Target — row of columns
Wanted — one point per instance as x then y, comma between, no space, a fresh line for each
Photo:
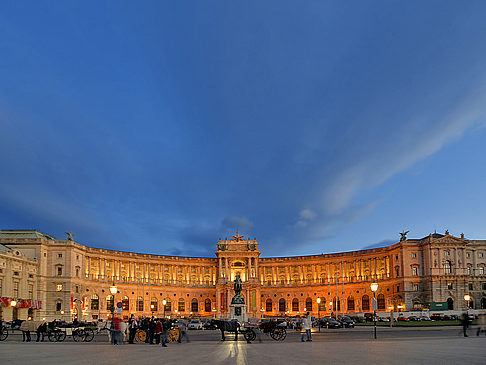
359,267
144,270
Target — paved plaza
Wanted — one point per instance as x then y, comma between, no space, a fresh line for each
353,346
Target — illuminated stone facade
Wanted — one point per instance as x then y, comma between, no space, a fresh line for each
73,279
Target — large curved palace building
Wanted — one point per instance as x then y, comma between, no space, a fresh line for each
43,277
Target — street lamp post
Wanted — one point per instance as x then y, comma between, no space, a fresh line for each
374,288
164,302
13,304
330,309
467,298
113,291
319,313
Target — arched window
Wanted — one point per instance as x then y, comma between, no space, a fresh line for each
450,304
336,304
125,303
281,305
268,305
351,303
381,301
308,305
153,304
207,305
110,302
181,306
365,303
95,302
447,267
194,305
295,305
168,305
322,305
397,271
140,304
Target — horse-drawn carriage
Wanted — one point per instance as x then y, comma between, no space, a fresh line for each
271,329
250,329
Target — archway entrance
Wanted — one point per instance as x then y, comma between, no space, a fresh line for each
450,304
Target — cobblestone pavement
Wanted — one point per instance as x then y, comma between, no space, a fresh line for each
431,347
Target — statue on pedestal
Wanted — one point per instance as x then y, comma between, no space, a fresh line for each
238,299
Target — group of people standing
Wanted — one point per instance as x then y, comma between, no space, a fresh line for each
156,329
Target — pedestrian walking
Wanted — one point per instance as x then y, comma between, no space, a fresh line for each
115,331
151,330
159,329
306,326
482,324
182,324
165,328
465,323
132,329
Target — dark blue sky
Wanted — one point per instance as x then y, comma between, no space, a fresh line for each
316,126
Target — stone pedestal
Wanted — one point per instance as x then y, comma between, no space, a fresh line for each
238,312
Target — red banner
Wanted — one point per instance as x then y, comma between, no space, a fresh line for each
21,303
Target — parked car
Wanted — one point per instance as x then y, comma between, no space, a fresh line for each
357,319
281,322
383,319
209,326
436,317
425,318
414,318
402,319
347,322
330,323
195,324
368,317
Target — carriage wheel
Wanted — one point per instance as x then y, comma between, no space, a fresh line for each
78,335
173,335
52,336
140,336
3,334
249,335
278,334
88,335
60,336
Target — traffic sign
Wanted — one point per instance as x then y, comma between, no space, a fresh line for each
119,305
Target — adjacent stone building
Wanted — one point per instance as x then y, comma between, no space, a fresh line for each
63,279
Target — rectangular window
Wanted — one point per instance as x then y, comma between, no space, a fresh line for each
471,287
269,283
446,253
480,254
450,286
16,289
398,288
58,307
484,286
77,289
59,255
414,271
31,291
59,271
414,255
282,282
468,255
415,287
59,287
